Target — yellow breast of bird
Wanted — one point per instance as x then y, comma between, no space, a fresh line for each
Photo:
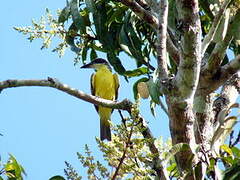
105,84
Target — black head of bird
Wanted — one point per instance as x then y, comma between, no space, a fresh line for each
97,63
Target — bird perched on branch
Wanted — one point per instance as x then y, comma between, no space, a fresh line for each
104,84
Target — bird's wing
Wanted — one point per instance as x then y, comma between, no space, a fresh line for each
115,76
92,81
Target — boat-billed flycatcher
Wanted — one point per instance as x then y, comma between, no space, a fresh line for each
104,84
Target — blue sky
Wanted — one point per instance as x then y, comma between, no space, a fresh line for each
43,127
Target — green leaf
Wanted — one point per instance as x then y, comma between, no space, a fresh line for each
212,164
154,91
13,168
85,15
70,38
236,152
77,18
152,108
136,72
100,19
84,54
130,42
57,178
93,54
228,160
135,92
175,149
226,149
64,15
124,41
232,173
116,15
116,63
90,5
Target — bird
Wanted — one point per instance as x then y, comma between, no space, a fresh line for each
104,84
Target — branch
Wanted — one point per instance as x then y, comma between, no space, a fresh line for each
172,49
230,68
222,105
145,13
220,77
219,51
123,105
147,16
162,40
147,134
209,37
190,58
54,83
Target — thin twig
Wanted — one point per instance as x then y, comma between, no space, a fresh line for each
123,119
124,154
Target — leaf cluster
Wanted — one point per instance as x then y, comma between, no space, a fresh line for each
12,170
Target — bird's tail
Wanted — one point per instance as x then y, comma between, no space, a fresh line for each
105,132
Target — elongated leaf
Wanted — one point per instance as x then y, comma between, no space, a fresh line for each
154,91
90,5
124,41
93,54
152,108
77,18
70,38
13,168
136,72
100,19
116,63
116,15
130,42
84,54
236,152
65,13
175,149
232,173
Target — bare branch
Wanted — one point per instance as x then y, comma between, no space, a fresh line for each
209,37
162,40
54,83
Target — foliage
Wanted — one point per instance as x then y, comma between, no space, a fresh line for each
132,148
90,27
12,170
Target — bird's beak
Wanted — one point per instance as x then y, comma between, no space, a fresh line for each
89,65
